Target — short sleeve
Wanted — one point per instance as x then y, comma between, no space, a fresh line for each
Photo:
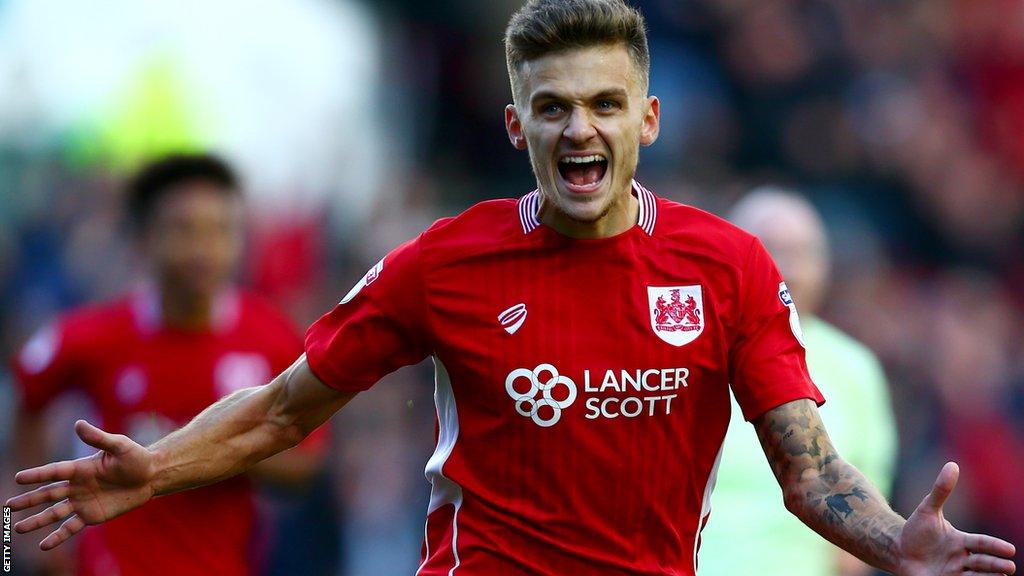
378,327
44,366
767,364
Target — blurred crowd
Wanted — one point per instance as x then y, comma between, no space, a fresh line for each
902,120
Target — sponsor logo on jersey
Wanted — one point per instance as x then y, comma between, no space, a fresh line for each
794,317
372,274
543,380
542,394
512,318
676,313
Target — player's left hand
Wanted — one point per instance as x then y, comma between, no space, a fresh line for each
930,546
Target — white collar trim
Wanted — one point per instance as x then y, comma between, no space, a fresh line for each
529,204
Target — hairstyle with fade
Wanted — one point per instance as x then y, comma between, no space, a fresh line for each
165,175
545,26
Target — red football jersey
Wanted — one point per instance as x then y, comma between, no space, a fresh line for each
147,379
582,386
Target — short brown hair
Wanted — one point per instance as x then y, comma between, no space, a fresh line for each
545,26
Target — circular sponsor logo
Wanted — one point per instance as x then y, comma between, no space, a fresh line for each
542,380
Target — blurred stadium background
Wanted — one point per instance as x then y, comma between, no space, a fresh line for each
356,124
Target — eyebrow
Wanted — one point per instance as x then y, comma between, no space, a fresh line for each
607,93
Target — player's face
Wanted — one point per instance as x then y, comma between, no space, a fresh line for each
194,240
583,114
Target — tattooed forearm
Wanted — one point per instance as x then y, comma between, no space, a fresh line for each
823,490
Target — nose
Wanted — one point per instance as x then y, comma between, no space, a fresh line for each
580,129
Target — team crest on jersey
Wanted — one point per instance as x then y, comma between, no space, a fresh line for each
676,313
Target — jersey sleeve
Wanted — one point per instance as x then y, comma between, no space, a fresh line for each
768,367
45,366
378,327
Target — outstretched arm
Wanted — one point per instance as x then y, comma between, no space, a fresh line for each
225,439
242,429
838,502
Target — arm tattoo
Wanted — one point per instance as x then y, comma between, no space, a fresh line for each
823,490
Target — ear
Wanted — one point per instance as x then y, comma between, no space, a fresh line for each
652,122
514,127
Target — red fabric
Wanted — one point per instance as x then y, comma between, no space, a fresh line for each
991,451
991,54
592,492
145,380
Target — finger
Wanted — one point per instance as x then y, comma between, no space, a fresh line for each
986,563
985,544
69,528
97,438
52,472
54,513
973,573
49,493
943,487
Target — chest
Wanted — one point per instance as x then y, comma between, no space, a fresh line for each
151,385
626,333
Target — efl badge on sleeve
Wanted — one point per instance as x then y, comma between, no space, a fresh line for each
794,317
676,313
365,281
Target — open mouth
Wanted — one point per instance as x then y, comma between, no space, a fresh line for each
582,173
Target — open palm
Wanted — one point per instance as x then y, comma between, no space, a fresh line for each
930,546
88,490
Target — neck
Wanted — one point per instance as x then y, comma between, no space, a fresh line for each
621,215
186,312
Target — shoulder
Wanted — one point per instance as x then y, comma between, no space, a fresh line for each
98,320
484,220
256,306
77,333
703,232
259,313
481,226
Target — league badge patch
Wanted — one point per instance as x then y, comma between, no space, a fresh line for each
676,313
365,281
794,317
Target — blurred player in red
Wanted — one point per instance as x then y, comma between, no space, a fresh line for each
153,359
585,337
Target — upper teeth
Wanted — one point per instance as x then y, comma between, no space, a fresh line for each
582,159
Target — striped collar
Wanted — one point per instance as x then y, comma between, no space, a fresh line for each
648,209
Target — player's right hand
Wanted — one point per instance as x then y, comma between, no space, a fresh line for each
88,490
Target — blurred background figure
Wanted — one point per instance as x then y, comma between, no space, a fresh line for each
151,360
358,123
749,533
